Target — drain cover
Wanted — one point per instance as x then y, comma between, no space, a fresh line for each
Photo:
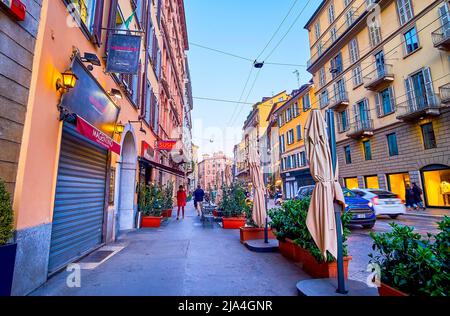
97,256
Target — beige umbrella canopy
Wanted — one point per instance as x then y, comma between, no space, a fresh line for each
321,221
259,200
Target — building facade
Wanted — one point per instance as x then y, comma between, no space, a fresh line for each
383,67
212,169
88,143
291,117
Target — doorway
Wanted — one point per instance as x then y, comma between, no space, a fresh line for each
127,184
436,181
397,183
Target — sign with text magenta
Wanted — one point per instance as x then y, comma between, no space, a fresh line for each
123,54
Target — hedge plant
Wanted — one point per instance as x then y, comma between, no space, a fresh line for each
151,200
6,215
233,202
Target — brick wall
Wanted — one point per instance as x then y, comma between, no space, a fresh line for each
17,42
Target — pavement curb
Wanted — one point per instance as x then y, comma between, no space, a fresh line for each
425,215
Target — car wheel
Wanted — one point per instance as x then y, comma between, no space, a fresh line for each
368,226
394,216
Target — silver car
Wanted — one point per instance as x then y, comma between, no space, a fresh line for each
384,202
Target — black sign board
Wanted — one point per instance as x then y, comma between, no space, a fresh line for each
123,53
90,101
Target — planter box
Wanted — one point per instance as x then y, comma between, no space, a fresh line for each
151,221
7,261
166,213
316,269
252,233
386,290
233,222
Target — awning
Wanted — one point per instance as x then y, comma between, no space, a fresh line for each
176,172
92,133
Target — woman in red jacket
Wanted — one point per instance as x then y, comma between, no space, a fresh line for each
181,200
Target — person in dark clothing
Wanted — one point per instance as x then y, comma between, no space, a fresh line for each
418,196
409,198
199,196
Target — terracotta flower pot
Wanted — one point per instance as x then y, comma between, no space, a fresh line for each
151,221
386,290
252,233
322,269
286,248
233,222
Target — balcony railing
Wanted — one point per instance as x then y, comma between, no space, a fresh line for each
420,107
361,128
379,78
340,101
444,93
343,127
441,37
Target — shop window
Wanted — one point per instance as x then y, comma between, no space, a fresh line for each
397,183
351,183
372,182
429,138
437,187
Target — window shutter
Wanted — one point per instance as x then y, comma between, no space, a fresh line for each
378,101
409,93
98,23
392,98
428,86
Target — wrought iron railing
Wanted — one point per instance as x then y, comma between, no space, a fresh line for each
441,35
361,126
444,93
418,104
378,73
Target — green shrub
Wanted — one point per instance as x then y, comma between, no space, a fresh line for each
233,202
6,215
289,221
167,196
151,200
411,263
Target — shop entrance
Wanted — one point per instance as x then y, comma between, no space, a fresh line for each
436,181
351,183
127,183
397,183
372,182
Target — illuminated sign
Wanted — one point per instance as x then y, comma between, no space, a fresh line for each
168,145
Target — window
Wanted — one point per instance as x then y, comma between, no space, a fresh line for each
306,102
343,121
303,161
324,101
385,102
290,137
333,34
289,114
411,41
86,11
357,76
351,183
354,51
374,34
367,150
347,2
317,30
331,13
112,184
295,109
350,17
299,132
392,144
322,77
336,65
319,48
405,11
419,90
348,155
429,138
282,144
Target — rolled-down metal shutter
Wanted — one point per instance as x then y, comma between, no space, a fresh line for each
79,201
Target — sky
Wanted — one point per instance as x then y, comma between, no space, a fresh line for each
243,28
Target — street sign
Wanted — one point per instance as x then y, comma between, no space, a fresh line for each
123,53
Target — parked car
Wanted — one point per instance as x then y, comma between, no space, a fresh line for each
361,209
384,202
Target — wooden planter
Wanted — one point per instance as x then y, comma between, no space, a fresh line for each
252,233
166,213
7,262
151,221
386,290
233,222
316,269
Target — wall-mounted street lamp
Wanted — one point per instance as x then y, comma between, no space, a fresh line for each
115,93
119,128
142,130
67,82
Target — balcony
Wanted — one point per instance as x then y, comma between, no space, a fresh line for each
361,129
380,78
444,94
441,37
339,102
420,108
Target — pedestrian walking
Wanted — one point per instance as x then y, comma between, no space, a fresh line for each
199,196
409,198
181,200
418,197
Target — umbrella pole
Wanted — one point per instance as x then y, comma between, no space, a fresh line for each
266,228
342,289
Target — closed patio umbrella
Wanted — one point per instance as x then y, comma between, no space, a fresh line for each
321,220
259,200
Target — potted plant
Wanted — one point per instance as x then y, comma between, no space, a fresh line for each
233,206
7,249
250,231
167,200
410,264
297,244
150,204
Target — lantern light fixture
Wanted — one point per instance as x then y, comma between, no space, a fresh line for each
67,82
119,129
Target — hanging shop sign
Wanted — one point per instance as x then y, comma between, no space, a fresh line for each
90,101
92,133
14,8
123,53
168,145
147,151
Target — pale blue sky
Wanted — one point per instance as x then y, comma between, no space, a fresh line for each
241,27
